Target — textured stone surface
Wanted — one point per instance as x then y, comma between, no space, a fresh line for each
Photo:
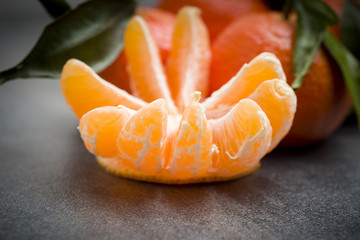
52,188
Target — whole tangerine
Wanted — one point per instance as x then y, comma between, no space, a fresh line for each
217,14
323,101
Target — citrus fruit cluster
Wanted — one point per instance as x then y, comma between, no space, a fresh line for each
163,132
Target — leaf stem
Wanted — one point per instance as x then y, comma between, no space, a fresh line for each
15,72
288,6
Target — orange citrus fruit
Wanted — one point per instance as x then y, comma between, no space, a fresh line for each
166,134
217,14
161,24
323,102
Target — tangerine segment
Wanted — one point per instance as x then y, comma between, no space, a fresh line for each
161,24
84,90
100,128
192,151
189,60
148,80
141,141
264,67
242,138
278,100
116,167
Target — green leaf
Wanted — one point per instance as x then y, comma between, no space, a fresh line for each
312,18
92,33
350,68
56,8
320,11
350,27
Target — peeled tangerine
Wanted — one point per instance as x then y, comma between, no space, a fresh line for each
163,132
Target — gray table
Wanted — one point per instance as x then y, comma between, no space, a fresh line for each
52,188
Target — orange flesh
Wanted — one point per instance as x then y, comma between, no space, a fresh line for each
145,66
263,67
276,99
101,127
242,137
189,59
141,139
154,142
160,24
79,84
191,149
